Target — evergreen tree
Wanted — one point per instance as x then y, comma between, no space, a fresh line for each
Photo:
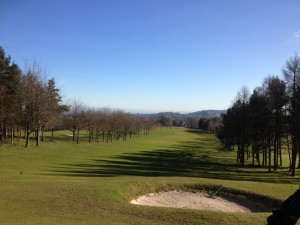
291,74
10,75
258,125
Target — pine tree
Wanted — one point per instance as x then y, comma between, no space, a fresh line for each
10,75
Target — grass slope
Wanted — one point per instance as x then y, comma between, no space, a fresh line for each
62,182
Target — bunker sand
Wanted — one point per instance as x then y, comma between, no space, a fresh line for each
198,200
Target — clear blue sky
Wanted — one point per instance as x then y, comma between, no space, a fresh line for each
152,55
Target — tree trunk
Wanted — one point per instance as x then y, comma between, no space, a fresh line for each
280,153
27,133
52,134
263,155
294,157
42,133
11,134
270,155
73,132
275,153
90,135
19,134
242,154
266,154
289,152
37,136
4,130
253,155
248,151
258,158
238,153
77,137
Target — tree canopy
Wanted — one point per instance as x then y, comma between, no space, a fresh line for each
266,122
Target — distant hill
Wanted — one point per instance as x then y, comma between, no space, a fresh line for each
207,113
183,116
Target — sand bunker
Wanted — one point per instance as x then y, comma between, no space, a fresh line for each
198,200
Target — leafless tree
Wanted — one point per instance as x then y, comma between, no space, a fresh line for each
34,104
75,118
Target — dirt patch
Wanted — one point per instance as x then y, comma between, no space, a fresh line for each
198,200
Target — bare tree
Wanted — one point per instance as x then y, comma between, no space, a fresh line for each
34,105
75,118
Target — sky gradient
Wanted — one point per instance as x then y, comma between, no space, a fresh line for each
152,55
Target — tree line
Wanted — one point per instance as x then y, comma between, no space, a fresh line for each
30,104
104,124
264,124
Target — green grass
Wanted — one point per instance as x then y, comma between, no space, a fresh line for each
61,182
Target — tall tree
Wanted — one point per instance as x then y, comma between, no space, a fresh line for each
40,102
291,73
10,75
234,129
243,99
275,91
258,124
35,105
54,107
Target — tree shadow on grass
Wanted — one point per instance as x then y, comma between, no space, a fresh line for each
145,163
186,160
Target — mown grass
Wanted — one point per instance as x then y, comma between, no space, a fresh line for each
61,182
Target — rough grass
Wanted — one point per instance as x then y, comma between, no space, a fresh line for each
61,182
